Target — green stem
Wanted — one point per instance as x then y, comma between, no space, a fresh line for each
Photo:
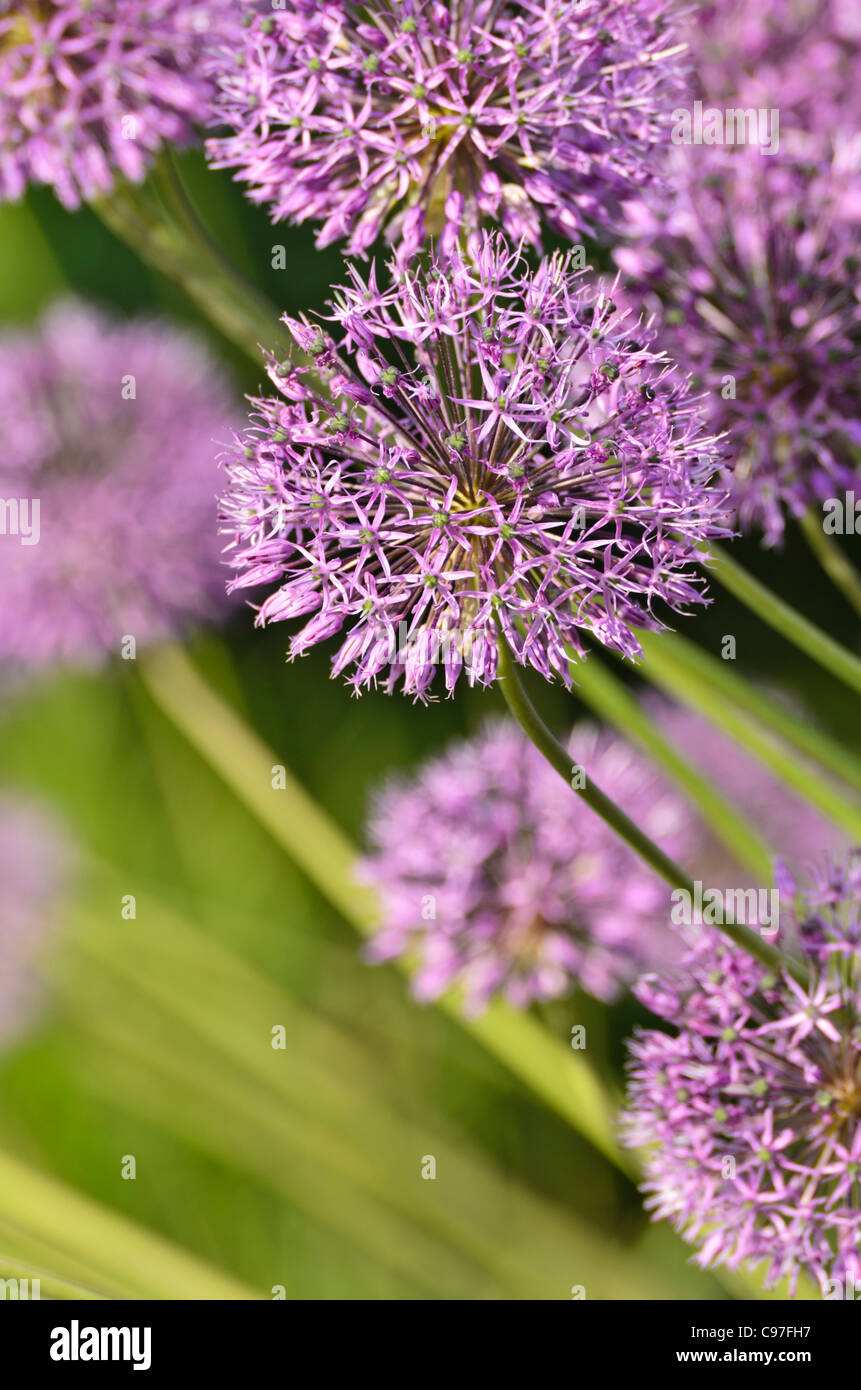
792,728
536,730
607,696
174,194
684,682
831,558
169,236
791,625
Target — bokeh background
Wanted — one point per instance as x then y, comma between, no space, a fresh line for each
295,1169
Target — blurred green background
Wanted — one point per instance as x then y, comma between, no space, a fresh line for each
297,1169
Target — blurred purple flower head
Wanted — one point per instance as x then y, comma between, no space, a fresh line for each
755,254
107,486
752,1110
502,451
756,263
500,878
791,827
34,864
93,88
802,57
503,880
420,118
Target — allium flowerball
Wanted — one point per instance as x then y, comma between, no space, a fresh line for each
751,1107
419,118
108,482
93,88
756,263
500,878
501,451
34,864
495,875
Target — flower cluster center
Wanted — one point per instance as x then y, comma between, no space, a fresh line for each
846,1107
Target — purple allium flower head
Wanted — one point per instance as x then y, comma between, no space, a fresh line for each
502,879
503,450
755,253
497,876
92,88
108,482
756,262
751,1111
34,864
420,117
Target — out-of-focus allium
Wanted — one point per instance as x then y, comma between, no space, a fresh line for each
499,877
494,874
802,57
108,480
791,827
34,863
92,88
422,118
756,261
504,449
752,1110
